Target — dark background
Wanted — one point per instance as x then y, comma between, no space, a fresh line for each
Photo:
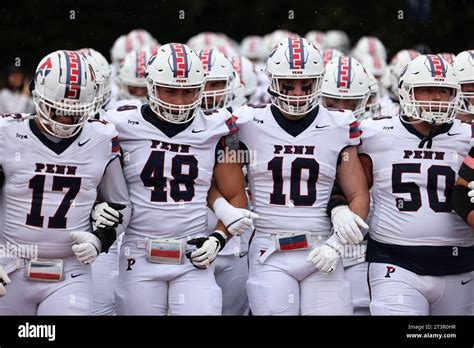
30,30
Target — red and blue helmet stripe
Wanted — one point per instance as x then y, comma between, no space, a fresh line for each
180,60
73,74
344,70
206,58
437,67
296,52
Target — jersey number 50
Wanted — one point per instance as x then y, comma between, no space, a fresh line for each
434,172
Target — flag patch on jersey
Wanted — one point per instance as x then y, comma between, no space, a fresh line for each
354,131
45,270
293,242
115,145
165,251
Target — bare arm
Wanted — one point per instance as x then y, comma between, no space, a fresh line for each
353,183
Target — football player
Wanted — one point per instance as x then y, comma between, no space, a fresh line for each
53,165
464,68
301,149
341,90
169,149
463,192
419,251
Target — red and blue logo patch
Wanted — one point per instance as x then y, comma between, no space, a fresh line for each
354,131
45,68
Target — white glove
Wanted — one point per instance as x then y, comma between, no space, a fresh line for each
4,280
471,193
347,225
107,214
208,248
236,220
326,257
86,246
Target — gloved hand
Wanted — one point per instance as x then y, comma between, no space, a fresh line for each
107,214
86,246
326,256
236,220
471,192
347,225
4,280
207,251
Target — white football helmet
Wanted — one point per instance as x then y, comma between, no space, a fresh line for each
175,66
374,64
64,85
329,54
429,71
271,40
295,58
246,83
336,39
346,78
132,74
103,75
398,62
373,106
369,45
449,57
217,68
316,38
252,48
141,37
464,68
122,46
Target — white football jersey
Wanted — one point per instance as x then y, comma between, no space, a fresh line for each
168,176
291,176
50,188
412,186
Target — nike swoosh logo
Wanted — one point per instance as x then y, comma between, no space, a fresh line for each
84,143
449,134
243,254
319,127
76,275
464,283
198,131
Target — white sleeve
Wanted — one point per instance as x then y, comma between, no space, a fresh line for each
113,189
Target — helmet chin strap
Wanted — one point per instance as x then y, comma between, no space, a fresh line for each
429,138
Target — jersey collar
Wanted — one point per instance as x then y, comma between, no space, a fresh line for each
426,139
294,127
58,147
168,128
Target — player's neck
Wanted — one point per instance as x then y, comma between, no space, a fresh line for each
424,127
292,117
42,129
465,117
